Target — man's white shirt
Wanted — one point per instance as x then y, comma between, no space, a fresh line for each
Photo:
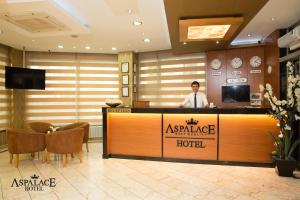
189,100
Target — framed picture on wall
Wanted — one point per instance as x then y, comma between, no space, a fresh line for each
125,67
125,92
125,79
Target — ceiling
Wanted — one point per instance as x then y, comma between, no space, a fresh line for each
103,24
99,24
276,14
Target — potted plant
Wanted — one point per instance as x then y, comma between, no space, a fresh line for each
287,112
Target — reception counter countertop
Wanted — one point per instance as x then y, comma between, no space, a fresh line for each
242,110
222,135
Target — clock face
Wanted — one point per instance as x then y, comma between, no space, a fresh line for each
255,61
215,64
236,62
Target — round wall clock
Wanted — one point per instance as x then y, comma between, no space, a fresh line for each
255,61
215,64
236,62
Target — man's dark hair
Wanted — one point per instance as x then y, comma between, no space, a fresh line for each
195,83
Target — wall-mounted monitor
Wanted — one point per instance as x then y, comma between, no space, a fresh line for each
23,78
236,93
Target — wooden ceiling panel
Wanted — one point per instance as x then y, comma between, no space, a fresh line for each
194,9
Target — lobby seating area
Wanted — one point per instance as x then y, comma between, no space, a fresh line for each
44,137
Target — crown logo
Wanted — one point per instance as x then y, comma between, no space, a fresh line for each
34,177
191,122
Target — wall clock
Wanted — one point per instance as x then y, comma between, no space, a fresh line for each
255,61
236,62
215,64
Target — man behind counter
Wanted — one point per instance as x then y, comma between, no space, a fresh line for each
195,99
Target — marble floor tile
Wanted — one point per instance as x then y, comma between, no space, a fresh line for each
122,179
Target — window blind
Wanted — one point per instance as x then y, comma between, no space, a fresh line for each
4,94
76,86
165,79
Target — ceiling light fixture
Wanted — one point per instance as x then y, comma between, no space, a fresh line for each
129,11
249,35
207,29
273,18
137,22
74,47
184,43
60,46
32,40
87,47
146,40
207,32
114,48
217,42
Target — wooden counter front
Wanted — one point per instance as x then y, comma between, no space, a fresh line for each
194,140
134,134
230,135
246,138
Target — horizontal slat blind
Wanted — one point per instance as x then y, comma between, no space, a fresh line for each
56,104
164,78
97,80
76,87
4,94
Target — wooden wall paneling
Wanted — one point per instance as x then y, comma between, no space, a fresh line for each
232,73
255,79
134,134
214,80
272,59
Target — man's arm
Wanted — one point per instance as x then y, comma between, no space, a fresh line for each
205,102
186,100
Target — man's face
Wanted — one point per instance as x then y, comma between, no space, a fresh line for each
195,88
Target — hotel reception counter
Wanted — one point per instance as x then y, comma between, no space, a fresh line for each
189,135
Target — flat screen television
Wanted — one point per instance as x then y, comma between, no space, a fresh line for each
22,78
236,93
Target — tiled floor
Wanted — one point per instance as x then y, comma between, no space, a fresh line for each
119,179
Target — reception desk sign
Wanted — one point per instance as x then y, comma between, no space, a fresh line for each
193,136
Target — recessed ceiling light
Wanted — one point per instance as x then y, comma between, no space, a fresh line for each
217,42
137,22
146,40
249,35
129,11
60,46
32,40
184,43
74,47
113,48
87,47
273,18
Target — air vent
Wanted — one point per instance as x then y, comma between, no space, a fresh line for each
35,22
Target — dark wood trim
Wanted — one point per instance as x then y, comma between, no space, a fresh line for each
198,111
211,162
104,118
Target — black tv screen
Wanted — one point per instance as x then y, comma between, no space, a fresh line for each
22,78
236,93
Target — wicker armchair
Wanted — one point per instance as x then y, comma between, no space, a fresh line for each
22,141
65,142
40,127
83,125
